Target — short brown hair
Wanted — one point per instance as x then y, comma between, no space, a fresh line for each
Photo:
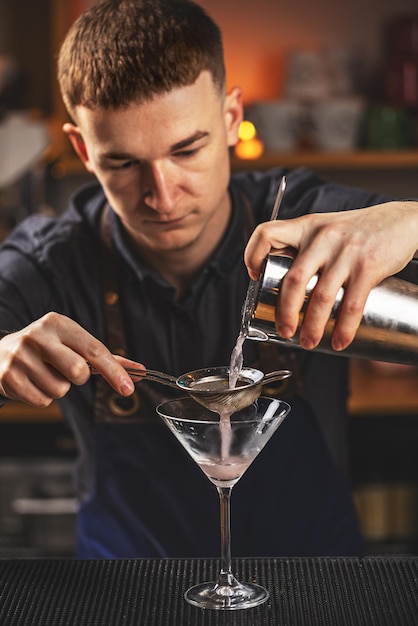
124,51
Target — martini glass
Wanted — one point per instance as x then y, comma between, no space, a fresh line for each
224,446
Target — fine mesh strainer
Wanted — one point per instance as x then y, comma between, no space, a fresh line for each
210,386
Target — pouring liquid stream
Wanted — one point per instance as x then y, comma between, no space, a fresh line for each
236,361
235,367
237,358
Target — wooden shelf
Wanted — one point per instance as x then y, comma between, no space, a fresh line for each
15,411
359,159
393,391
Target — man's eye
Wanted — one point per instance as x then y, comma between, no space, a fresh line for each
121,165
187,153
126,165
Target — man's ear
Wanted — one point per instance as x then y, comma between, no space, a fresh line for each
74,135
234,112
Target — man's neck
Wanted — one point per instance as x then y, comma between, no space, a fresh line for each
180,267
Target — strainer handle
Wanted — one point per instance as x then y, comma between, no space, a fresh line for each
274,376
138,374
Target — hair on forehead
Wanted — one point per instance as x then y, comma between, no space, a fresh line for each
124,51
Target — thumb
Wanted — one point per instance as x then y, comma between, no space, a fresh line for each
282,237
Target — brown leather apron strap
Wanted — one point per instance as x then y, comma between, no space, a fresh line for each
108,405
110,292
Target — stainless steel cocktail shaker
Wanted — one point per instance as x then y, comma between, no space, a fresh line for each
388,329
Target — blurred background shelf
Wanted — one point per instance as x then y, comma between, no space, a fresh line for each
383,435
353,160
64,162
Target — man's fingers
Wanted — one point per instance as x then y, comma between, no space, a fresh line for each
350,315
319,310
293,293
315,291
267,237
39,388
52,353
258,247
77,348
323,297
290,300
105,363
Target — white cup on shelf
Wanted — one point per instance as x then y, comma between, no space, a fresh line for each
277,123
335,124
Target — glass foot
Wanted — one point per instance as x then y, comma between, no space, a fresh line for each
226,597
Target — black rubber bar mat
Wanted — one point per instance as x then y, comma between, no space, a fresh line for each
335,592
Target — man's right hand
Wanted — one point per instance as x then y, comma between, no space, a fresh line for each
354,250
39,363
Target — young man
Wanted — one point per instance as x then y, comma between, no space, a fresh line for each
148,263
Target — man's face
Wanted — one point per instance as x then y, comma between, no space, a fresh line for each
164,164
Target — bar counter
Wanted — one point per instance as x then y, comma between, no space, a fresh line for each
380,591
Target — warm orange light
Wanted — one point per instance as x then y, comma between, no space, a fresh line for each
246,131
251,149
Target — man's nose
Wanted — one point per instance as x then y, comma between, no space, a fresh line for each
160,187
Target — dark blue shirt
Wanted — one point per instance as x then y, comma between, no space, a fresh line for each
52,264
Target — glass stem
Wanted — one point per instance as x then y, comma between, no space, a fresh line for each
225,575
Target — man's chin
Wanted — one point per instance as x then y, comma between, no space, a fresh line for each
169,244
